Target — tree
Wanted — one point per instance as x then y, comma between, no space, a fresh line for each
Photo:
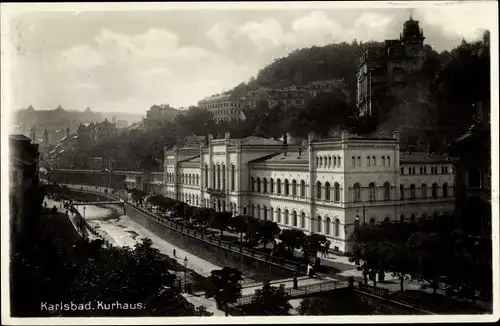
292,239
157,200
312,244
224,286
239,224
203,216
252,233
270,301
367,252
220,221
268,230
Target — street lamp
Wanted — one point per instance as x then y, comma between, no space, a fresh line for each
185,271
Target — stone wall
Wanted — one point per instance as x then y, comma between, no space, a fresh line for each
251,267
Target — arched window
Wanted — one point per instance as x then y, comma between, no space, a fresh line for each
353,161
258,184
383,160
271,186
223,176
303,220
278,215
320,162
318,190
327,225
388,161
319,224
356,192
265,213
233,177
329,161
368,161
294,187
218,176
278,186
327,190
206,175
371,191
445,190
264,183
372,221
337,227
271,212
287,187
412,191
434,190
317,161
287,222
258,212
423,193
412,218
336,195
302,188
387,191
335,161
294,218
359,160
402,192
374,161
339,161
252,184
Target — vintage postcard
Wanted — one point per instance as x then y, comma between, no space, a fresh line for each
249,162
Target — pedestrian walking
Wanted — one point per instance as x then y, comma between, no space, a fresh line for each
295,283
309,270
174,253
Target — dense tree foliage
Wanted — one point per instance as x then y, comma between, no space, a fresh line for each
270,301
431,251
56,266
224,286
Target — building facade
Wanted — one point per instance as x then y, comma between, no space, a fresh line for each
395,61
222,107
157,115
323,186
24,183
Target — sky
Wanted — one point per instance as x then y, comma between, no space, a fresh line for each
126,61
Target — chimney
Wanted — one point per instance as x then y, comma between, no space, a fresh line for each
227,135
310,137
285,145
300,151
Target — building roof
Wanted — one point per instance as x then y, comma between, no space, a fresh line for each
19,137
254,140
195,159
291,157
422,157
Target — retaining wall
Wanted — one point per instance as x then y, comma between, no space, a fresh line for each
211,251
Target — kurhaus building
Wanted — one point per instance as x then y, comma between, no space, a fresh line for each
324,186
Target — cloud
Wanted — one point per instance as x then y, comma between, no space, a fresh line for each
319,28
462,21
219,34
137,70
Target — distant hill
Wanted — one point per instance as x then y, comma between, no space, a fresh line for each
300,67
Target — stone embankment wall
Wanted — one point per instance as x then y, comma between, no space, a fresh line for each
210,251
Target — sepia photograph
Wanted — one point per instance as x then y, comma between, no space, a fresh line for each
279,161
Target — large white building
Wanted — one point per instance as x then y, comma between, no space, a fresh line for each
324,186
222,107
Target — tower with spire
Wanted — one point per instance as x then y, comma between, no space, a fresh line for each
397,61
